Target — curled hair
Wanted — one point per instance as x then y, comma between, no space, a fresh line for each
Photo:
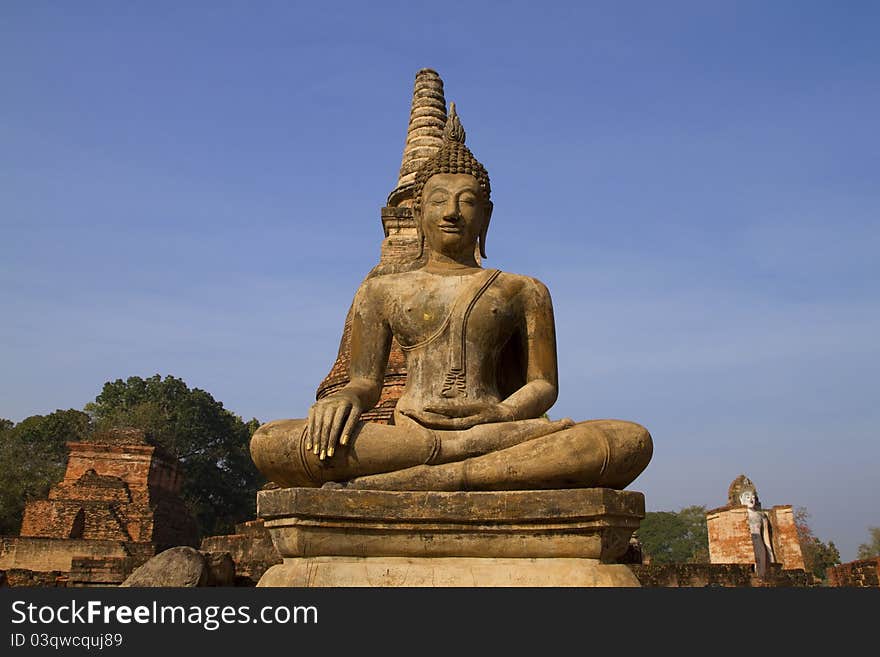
452,157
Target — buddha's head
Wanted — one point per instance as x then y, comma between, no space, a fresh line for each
749,499
451,196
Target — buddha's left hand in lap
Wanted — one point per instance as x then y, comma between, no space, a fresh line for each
460,416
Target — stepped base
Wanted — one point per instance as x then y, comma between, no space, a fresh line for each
402,538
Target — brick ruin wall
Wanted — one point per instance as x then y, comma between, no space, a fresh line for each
117,506
48,554
121,492
862,573
730,575
729,538
786,543
251,549
730,541
15,577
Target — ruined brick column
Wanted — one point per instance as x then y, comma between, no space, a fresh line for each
730,540
400,250
116,487
118,505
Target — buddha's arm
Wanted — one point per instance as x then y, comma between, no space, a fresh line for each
538,344
333,418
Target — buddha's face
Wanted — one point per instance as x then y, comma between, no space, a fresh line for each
748,498
454,214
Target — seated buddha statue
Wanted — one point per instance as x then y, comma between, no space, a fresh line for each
480,349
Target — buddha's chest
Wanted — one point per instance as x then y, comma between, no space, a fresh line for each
449,307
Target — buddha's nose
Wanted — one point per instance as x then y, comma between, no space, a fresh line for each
452,213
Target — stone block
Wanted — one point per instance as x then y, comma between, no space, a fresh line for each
177,567
446,572
403,538
594,523
250,548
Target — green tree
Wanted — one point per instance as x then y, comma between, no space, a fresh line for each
675,537
818,556
33,457
220,480
871,549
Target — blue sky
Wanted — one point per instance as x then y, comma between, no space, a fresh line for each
194,189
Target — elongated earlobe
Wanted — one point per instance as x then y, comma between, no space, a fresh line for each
421,236
485,230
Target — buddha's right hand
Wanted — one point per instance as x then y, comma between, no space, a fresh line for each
331,421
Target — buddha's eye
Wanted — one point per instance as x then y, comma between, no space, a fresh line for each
467,200
438,199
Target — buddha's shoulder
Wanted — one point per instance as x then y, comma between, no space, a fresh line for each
380,286
521,283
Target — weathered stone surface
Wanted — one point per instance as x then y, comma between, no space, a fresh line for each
221,569
446,572
116,506
53,554
425,134
722,575
506,492
401,249
786,543
99,571
116,487
581,523
862,573
730,539
176,567
499,538
481,366
21,577
250,548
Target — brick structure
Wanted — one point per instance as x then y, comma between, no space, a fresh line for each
731,575
99,571
251,549
117,487
15,577
863,573
786,543
117,506
401,248
730,541
729,538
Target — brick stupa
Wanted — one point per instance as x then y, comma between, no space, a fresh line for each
118,504
730,541
400,249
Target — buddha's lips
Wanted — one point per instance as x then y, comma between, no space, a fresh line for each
450,229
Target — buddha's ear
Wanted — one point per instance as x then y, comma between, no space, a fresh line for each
485,229
417,217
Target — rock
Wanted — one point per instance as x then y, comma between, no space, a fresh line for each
221,568
175,567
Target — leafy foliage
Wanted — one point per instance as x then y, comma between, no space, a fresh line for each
818,556
219,478
33,457
675,537
871,549
212,444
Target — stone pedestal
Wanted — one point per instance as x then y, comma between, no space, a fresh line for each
505,538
